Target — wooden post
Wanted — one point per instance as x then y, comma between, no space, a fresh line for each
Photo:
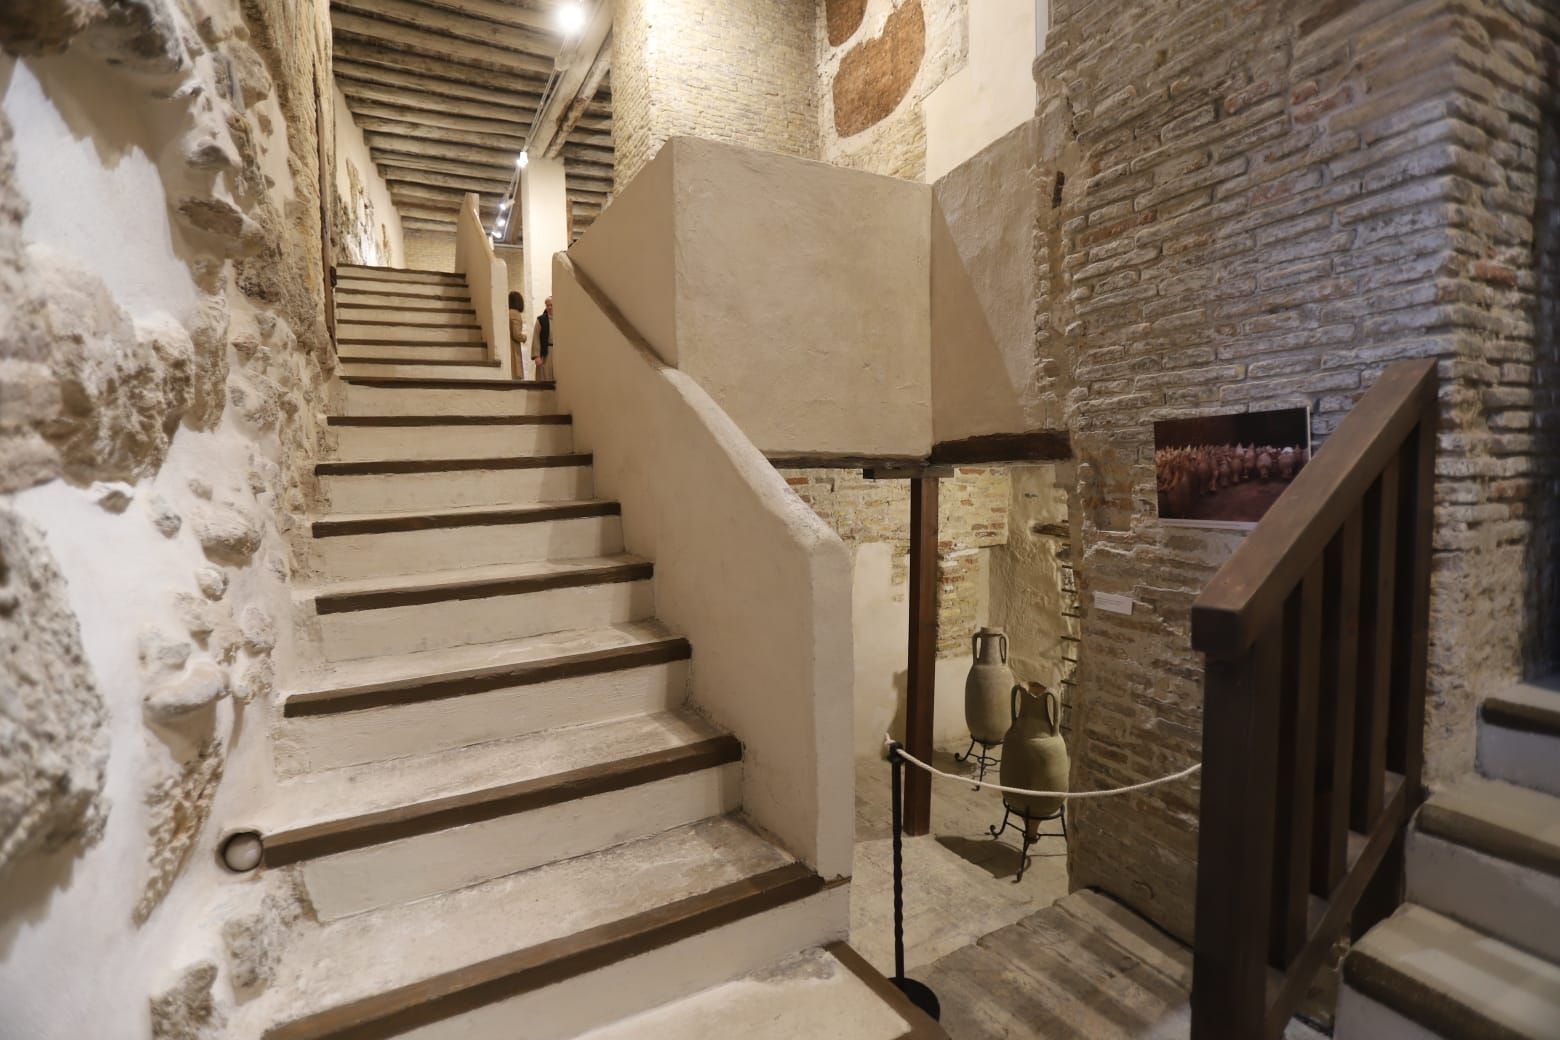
920,694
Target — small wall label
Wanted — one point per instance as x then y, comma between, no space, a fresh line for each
1113,603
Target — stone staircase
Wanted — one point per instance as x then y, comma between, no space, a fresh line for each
1475,950
501,814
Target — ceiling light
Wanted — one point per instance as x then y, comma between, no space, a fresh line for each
571,19
523,161
503,205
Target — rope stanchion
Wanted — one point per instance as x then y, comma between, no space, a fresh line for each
919,993
896,748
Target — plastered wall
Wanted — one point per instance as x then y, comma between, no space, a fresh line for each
161,285
365,226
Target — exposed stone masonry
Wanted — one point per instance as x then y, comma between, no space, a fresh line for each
739,71
1263,206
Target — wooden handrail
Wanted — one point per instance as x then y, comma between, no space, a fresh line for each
1249,589
1315,634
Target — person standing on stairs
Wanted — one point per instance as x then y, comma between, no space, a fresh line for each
517,332
541,342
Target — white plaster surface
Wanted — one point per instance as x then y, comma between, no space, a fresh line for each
1361,1018
1517,904
451,442
350,144
992,93
809,995
1527,759
745,570
345,557
411,492
544,227
394,400
488,279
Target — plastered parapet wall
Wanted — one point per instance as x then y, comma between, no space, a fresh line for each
738,71
162,380
1263,206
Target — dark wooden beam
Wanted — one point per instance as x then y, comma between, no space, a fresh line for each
494,171
405,98
436,45
1034,446
431,132
362,73
411,223
511,127
397,175
502,12
407,144
371,52
467,27
921,688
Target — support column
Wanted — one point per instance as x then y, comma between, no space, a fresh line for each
920,694
544,228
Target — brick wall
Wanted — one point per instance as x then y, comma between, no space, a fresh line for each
971,515
1264,204
894,144
739,71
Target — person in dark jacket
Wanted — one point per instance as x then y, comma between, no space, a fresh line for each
541,342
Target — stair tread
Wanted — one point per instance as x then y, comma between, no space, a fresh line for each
816,993
434,383
1532,706
475,659
312,802
503,572
1454,980
380,958
377,467
1501,819
457,516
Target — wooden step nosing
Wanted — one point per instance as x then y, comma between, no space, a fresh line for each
355,341
397,270
1521,717
1492,839
1421,1003
486,588
442,297
443,326
513,974
353,305
379,467
442,362
497,517
428,383
332,837
484,680
387,421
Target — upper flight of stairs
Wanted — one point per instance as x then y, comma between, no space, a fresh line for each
1474,953
408,323
504,817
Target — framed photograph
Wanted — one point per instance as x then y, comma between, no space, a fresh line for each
1226,470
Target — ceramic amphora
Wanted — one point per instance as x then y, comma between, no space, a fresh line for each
986,706
1034,755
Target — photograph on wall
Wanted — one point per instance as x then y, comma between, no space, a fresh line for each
1226,470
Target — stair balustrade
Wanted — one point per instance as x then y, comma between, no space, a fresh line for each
1315,636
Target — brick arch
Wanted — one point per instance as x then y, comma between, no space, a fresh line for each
875,75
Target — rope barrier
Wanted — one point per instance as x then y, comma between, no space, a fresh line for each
1183,774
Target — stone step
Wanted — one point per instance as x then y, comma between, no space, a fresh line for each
399,274
419,353
358,301
359,334
1519,735
826,993
378,365
352,286
425,485
345,547
1487,854
373,835
438,315
405,614
407,704
466,399
599,938
1418,974
440,437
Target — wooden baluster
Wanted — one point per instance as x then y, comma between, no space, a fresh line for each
1410,645
1339,655
1235,843
1378,559
1296,795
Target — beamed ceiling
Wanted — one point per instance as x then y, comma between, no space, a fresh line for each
446,92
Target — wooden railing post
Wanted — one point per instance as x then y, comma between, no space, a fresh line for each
1235,843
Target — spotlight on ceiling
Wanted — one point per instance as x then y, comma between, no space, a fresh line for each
503,205
523,161
571,19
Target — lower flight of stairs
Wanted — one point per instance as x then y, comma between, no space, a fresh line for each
493,798
1474,953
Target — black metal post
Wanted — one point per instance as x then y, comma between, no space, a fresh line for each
919,993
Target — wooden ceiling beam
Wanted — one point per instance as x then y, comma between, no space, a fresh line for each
581,68
591,139
348,70
400,175
516,15
406,144
376,52
455,166
500,127
586,153
422,224
454,138
436,45
401,97
469,27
